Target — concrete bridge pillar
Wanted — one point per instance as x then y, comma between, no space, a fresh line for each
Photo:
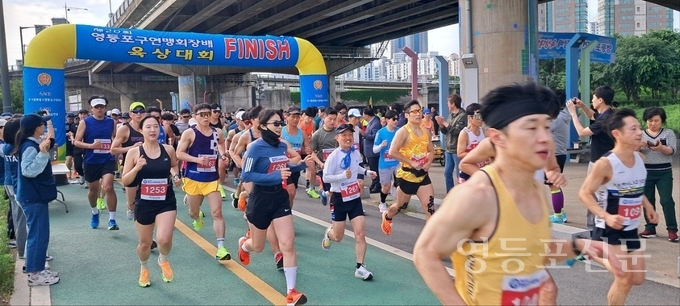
125,102
503,36
191,90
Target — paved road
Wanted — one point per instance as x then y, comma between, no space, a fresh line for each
100,267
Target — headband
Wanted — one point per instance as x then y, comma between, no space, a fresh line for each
506,113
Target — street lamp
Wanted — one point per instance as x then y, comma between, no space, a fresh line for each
37,28
69,8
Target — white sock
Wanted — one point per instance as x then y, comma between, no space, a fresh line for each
162,258
145,264
243,247
112,215
291,277
95,211
220,242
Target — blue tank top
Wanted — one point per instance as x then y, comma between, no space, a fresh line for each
295,141
102,130
161,135
203,146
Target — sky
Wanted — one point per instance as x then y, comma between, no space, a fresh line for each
25,13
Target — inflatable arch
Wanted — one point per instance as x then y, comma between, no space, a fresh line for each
43,75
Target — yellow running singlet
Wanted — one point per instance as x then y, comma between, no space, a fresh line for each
416,150
508,268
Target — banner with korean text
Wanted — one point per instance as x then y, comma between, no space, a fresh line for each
553,45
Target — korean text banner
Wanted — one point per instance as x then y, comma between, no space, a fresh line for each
553,45
153,47
44,90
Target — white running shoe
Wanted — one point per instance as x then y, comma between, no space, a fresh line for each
363,273
42,278
326,242
382,207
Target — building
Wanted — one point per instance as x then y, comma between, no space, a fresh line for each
454,65
632,17
593,28
563,16
417,43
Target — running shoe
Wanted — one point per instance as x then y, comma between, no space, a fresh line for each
326,241
222,254
222,193
648,234
186,200
324,198
112,225
101,205
94,221
198,224
144,278
242,203
278,259
42,278
295,298
234,200
312,193
382,207
558,219
564,215
243,256
386,225
237,181
362,273
166,271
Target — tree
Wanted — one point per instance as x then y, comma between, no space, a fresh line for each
672,40
16,90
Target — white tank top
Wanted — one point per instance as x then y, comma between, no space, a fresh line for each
624,192
473,140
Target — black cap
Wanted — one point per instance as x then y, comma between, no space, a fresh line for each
344,127
32,121
70,115
126,115
293,110
83,111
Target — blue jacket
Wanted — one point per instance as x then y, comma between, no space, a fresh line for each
35,181
369,136
11,166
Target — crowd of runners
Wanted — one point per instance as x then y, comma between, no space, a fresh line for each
500,243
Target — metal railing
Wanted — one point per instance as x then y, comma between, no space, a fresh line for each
345,52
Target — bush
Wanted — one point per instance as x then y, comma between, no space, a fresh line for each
6,259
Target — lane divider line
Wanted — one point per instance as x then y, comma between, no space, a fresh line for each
267,291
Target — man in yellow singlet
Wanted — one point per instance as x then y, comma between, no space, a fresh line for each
412,147
500,243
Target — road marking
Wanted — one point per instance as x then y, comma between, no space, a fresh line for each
267,291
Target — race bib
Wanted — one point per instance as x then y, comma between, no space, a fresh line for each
326,152
105,148
630,209
153,189
387,157
210,167
297,147
421,159
356,146
277,163
522,290
350,191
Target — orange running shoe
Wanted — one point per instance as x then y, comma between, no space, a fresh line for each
243,256
144,278
386,225
242,203
295,298
166,270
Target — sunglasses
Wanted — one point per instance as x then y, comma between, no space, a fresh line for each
247,122
186,117
477,116
416,111
203,114
394,119
277,123
138,111
99,106
216,111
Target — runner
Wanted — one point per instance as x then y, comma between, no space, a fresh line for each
508,206
308,125
386,164
559,128
340,171
95,134
150,166
266,166
216,123
237,159
470,137
299,143
231,138
201,147
621,174
129,136
323,143
251,135
412,147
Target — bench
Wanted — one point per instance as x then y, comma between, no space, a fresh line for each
59,172
575,155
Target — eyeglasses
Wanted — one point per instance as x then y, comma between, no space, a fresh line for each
394,119
342,113
138,111
186,117
277,123
203,114
216,111
477,116
416,111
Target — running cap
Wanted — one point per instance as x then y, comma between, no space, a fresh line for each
98,101
136,105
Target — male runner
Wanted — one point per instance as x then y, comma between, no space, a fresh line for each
412,146
621,174
323,143
340,171
307,125
129,136
201,147
500,243
216,123
387,165
299,143
95,134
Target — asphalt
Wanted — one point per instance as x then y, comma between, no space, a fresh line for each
100,267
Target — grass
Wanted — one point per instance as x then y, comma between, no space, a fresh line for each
6,259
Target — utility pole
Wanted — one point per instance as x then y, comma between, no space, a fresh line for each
4,68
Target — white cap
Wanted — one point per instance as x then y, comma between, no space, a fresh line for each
354,113
108,113
239,115
192,122
97,101
115,111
